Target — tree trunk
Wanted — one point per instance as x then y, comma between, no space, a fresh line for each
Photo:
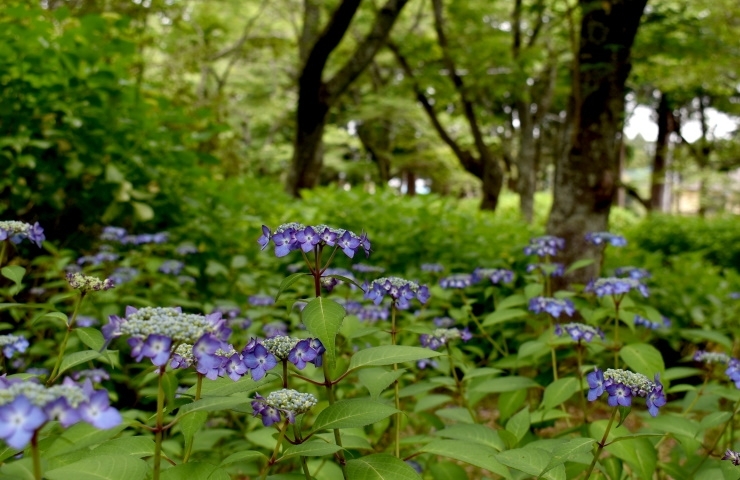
526,182
660,160
376,137
586,180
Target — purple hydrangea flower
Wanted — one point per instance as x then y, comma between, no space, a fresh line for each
732,456
443,322
290,403
365,268
258,360
432,267
442,336
16,232
276,328
171,267
603,238
295,236
457,280
260,300
615,286
545,246
426,362
373,313
399,290
632,272
579,331
595,381
302,353
18,420
113,234
619,394
329,280
554,306
644,322
97,411
157,348
12,344
553,269
622,386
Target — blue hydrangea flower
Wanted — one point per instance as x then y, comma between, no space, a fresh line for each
496,275
365,268
442,336
258,359
732,456
373,313
443,322
552,269
554,306
123,275
632,272
96,375
287,402
18,420
622,386
579,331
171,267
615,286
98,259
186,249
113,234
545,246
641,321
12,344
275,328
603,238
432,267
399,290
260,300
457,280
295,236
16,232
595,381
329,282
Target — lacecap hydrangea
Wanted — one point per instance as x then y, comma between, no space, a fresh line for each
622,386
400,291
296,236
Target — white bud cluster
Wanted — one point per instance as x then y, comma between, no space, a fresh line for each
446,334
85,283
171,322
39,395
185,350
639,384
712,357
395,282
14,227
280,346
289,400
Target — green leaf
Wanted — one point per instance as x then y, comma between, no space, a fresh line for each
501,316
18,470
472,453
91,337
211,404
191,424
101,467
511,301
57,318
714,419
133,446
570,449
643,358
380,466
378,379
288,281
347,280
511,402
578,264
14,273
223,387
388,355
695,334
559,391
194,470
639,454
530,460
248,456
448,471
518,425
675,373
76,358
142,211
623,414
316,448
356,412
667,422
505,384
81,435
479,434
323,318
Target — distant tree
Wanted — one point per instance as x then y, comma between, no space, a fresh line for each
316,96
586,180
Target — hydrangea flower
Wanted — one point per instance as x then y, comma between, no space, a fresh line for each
553,269
96,375
276,328
644,322
26,405
579,331
365,268
352,307
86,321
711,357
286,402
554,306
426,362
432,267
442,336
632,272
733,371
602,238
171,267
615,286
153,331
545,246
443,322
260,300
99,258
145,238
12,344
258,359
113,234
373,313
622,386
329,282
87,284
456,280
16,232
401,291
295,350
732,456
496,275
294,236
123,275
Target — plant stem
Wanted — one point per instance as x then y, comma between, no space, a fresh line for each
189,449
602,443
159,428
304,464
616,331
285,373
579,354
70,325
553,355
3,249
717,440
396,389
337,437
198,386
35,455
273,457
459,384
490,339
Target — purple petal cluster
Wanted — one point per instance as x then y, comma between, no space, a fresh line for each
26,405
457,280
496,275
432,267
400,291
103,256
733,364
297,351
123,275
443,322
733,371
553,269
632,272
615,286
641,321
553,306
442,336
171,267
295,236
16,232
603,238
579,331
120,235
328,281
96,375
12,344
285,402
732,456
545,246
87,284
365,268
276,328
373,313
260,300
622,386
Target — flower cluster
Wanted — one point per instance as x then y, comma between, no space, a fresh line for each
641,321
579,331
545,246
456,280
549,269
275,328
554,306
732,456
401,291
287,402
329,280
295,350
365,268
496,275
623,385
26,405
103,256
87,284
442,336
123,275
119,235
711,357
11,344
632,272
295,236
260,300
16,232
615,286
443,322
171,267
602,238
97,375
733,371
432,267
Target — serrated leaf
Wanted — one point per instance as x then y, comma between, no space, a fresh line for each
472,453
511,301
191,424
81,435
380,466
133,446
288,281
211,404
91,337
570,449
643,358
558,392
13,273
245,456
378,379
530,460
323,318
316,448
356,412
101,467
388,355
73,359
504,384
501,316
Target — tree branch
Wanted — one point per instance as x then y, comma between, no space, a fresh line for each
245,36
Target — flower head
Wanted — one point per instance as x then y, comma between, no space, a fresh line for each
123,275
296,351
545,246
732,456
295,236
260,300
365,268
615,286
258,359
442,336
622,386
432,267
496,275
12,344
287,402
16,232
603,238
579,331
86,284
553,269
401,291
554,306
644,322
456,280
171,267
632,272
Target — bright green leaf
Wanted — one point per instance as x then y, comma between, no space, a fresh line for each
380,466
559,391
643,358
316,448
472,453
323,318
388,355
101,467
356,412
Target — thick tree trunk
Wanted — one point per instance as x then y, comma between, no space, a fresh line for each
660,160
586,180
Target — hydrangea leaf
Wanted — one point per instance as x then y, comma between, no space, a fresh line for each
380,466
558,392
323,318
643,358
288,281
388,355
472,453
316,448
356,412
